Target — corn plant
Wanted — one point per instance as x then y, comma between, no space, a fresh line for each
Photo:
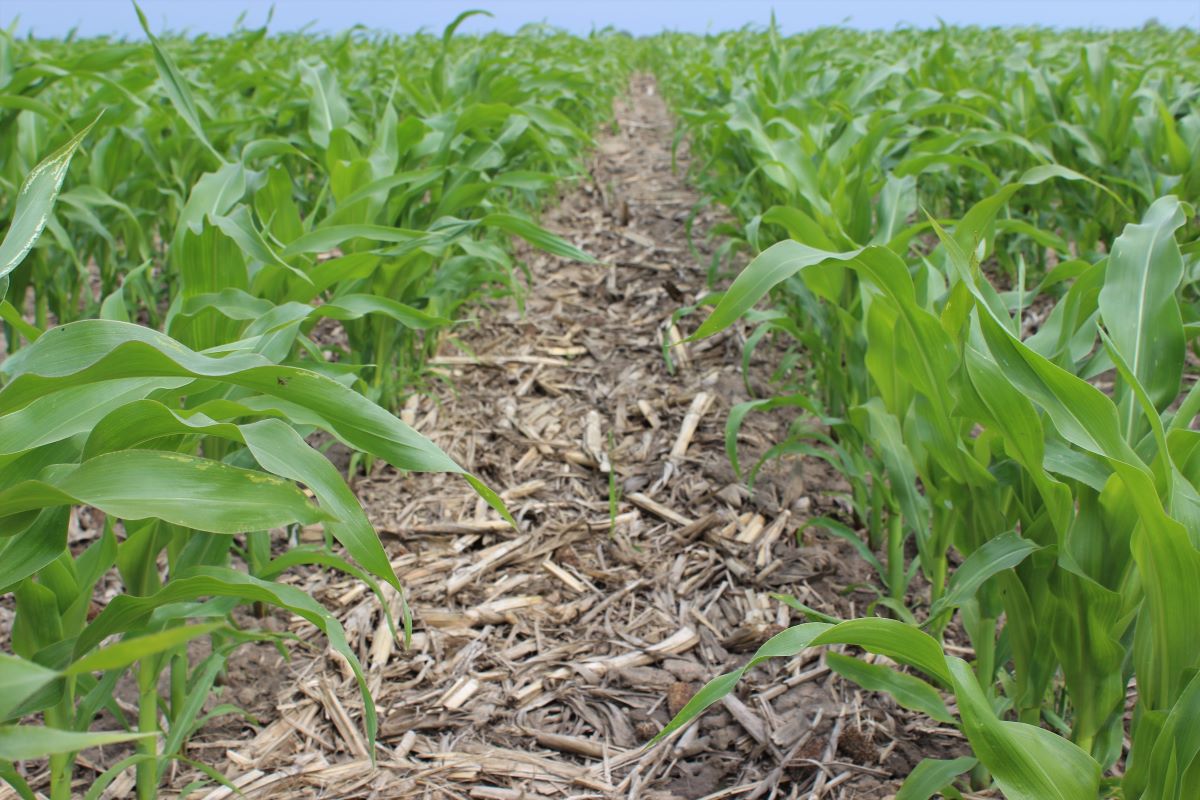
958,427
385,202
1059,497
412,161
838,138
183,449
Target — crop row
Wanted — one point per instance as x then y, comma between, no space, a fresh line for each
979,248
183,219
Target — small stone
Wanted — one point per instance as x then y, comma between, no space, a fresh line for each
750,637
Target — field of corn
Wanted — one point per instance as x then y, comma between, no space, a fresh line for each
539,415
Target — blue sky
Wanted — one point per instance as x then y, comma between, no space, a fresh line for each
56,17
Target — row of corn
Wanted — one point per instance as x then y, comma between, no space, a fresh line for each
215,248
981,254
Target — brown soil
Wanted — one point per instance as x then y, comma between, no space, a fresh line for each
545,657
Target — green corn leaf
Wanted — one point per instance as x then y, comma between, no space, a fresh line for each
799,225
29,551
71,411
9,775
808,611
907,690
201,684
537,236
1080,411
176,86
898,462
186,490
327,274
214,194
266,148
1088,469
125,612
281,450
897,201
34,105
35,202
438,74
932,776
238,304
1086,626
526,180
21,679
21,742
1173,770
782,645
1166,645
239,227
737,414
775,265
104,779
380,188
1138,303
997,554
275,446
9,314
94,351
356,306
997,403
852,537
970,229
102,350
1027,762
1140,399
894,639
129,650
328,110
928,355
325,239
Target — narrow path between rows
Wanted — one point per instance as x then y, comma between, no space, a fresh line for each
544,658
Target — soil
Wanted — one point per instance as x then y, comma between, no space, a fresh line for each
544,658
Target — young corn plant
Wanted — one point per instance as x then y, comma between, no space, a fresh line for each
842,139
382,178
240,195
1058,496
182,446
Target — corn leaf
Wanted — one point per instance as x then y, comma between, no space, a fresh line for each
34,204
195,492
20,742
